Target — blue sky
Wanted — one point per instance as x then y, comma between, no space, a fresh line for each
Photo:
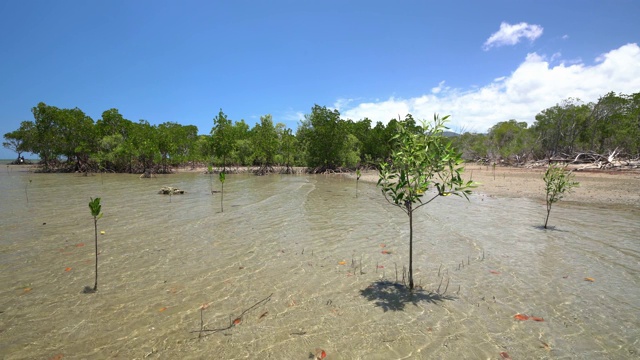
181,61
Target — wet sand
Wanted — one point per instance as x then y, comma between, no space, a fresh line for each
620,188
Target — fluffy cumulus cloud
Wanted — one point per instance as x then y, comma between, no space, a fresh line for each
512,34
534,86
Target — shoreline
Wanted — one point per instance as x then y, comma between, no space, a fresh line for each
596,187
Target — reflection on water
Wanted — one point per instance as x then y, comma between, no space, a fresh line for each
318,250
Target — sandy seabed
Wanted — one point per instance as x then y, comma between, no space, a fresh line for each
326,260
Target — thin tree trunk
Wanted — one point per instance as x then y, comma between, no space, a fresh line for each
410,248
547,219
95,225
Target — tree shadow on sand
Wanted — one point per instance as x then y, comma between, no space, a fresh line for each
394,296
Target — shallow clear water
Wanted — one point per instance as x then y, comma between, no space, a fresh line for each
162,257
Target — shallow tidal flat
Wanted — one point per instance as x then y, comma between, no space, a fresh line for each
309,255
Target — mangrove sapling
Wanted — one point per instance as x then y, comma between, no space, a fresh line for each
26,193
358,174
210,171
420,161
222,178
558,181
95,207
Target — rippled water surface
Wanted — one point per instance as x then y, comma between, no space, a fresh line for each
308,254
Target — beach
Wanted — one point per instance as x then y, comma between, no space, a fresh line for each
601,188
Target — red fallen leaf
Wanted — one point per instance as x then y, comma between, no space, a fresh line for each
320,354
67,269
163,309
57,357
380,266
535,318
342,262
521,317
80,245
237,321
494,272
505,356
382,245
387,252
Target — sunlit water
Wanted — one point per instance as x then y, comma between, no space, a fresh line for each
315,249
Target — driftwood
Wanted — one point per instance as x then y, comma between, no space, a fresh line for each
168,190
591,161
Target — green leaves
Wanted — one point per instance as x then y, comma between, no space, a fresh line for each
558,181
95,207
422,159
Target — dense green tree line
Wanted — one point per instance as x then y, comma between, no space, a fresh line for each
69,140
564,130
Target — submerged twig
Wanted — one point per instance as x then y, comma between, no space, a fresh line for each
233,322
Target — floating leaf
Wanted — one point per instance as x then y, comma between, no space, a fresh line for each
320,354
67,269
505,356
589,279
521,317
163,309
494,272
263,315
386,252
27,290
342,262
237,321
535,318
57,357
382,245
204,306
80,245
380,266
102,232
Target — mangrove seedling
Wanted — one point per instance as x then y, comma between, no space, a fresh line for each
26,193
558,181
95,207
358,174
422,159
210,171
222,177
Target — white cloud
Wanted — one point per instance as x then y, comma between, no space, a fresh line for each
512,34
534,86
438,88
342,103
289,115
